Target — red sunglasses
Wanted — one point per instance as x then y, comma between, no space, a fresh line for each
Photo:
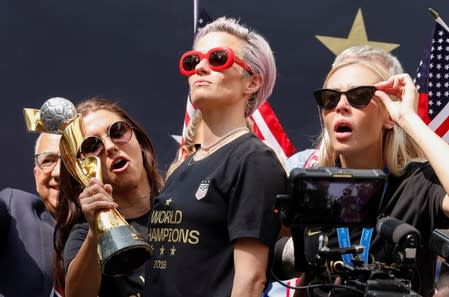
219,59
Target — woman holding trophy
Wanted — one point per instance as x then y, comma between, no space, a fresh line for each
128,183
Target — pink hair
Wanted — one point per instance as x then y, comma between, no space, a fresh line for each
257,54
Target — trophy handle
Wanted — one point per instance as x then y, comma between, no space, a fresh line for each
32,119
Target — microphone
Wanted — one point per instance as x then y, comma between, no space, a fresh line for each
284,258
398,232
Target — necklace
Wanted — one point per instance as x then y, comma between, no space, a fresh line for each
204,151
206,148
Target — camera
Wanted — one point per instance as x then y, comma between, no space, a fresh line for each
322,200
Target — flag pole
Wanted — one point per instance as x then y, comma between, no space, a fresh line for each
195,15
434,14
438,19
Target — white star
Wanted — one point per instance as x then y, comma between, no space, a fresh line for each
438,102
438,95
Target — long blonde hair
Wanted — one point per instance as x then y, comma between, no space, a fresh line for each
398,148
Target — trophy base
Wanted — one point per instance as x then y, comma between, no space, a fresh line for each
122,250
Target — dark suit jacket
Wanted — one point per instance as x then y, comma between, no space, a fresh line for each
26,244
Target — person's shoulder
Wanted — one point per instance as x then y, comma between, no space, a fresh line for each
21,204
301,159
11,194
418,172
250,149
254,146
418,168
247,144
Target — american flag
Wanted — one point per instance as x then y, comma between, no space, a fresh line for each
266,124
432,81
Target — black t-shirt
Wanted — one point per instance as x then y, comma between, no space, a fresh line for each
204,206
119,286
415,197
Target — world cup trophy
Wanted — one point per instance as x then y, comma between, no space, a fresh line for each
121,248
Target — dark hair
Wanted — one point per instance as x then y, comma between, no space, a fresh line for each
69,210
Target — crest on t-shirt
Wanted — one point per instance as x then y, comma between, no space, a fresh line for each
202,189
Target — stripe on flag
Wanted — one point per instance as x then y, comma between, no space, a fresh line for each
268,128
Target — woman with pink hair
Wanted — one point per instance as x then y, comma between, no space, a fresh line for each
213,226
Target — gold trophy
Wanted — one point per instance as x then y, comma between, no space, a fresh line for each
121,248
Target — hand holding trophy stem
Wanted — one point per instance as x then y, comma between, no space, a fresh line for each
121,248
106,219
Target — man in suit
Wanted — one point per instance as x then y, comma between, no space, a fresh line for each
26,227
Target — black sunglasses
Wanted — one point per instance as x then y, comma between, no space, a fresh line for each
119,132
358,97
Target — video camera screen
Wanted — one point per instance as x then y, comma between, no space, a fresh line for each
335,196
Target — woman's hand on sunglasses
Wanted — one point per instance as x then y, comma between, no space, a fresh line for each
399,95
95,197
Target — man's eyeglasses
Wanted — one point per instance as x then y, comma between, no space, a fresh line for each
219,59
119,132
358,97
46,161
